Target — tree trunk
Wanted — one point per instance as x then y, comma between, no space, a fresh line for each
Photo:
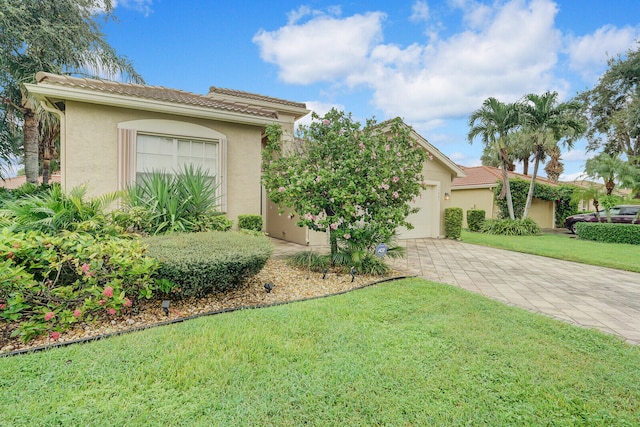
30,146
333,242
525,166
532,184
506,188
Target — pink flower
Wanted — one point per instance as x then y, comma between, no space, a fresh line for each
281,189
384,186
2,306
77,313
395,195
334,226
308,216
395,179
361,145
127,302
86,269
347,236
289,216
111,311
55,336
50,315
101,302
108,292
326,122
387,147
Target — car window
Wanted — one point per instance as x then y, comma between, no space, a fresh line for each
613,211
631,210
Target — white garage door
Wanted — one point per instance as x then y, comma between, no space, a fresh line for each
426,221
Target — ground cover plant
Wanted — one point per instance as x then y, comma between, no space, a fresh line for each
561,246
402,353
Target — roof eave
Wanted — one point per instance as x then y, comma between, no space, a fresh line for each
44,91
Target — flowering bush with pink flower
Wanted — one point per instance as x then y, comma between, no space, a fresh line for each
47,283
355,181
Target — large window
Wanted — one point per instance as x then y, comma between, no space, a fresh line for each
168,145
172,154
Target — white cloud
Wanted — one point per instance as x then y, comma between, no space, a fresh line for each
419,11
577,176
143,6
506,51
324,48
588,54
575,155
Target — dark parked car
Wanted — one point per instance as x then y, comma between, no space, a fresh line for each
621,214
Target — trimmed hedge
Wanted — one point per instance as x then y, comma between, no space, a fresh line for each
475,219
250,222
452,223
511,227
204,263
609,233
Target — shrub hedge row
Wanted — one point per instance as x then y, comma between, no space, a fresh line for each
251,222
511,227
609,233
203,263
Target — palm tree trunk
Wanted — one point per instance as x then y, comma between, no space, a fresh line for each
532,183
507,188
31,146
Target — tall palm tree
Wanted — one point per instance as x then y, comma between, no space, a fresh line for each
492,123
554,167
61,37
550,122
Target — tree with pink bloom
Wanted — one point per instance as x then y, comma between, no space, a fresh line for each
361,191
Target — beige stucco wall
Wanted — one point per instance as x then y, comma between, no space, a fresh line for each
479,198
542,211
90,152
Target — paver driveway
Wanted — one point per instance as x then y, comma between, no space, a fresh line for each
585,295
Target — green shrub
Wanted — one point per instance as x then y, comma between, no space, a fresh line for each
511,227
203,263
173,202
212,222
453,223
53,211
250,222
49,282
310,260
475,219
609,233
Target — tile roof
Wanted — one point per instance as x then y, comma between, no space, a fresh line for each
487,176
254,96
158,93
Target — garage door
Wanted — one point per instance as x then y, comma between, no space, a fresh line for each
426,221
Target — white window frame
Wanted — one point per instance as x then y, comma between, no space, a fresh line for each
171,129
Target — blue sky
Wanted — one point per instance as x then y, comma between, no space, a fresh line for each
429,62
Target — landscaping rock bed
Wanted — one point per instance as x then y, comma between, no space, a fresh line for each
291,284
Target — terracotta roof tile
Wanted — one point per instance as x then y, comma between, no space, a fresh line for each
158,93
248,95
487,176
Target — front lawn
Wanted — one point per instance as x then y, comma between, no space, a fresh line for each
410,352
562,246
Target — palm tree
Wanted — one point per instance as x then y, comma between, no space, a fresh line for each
612,169
549,122
592,192
493,122
61,37
554,167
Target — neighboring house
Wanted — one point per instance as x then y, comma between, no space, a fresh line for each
112,132
476,191
15,182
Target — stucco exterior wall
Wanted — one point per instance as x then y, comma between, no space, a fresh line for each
90,150
479,198
542,211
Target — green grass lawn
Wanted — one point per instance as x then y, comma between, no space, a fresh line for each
406,353
562,246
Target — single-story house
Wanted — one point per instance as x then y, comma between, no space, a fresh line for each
111,132
476,191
